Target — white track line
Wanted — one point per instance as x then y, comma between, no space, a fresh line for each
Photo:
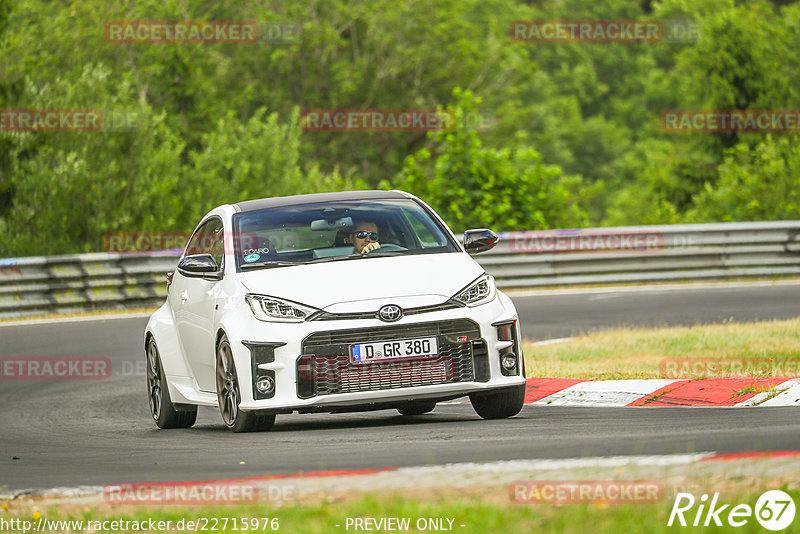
604,393
566,463
443,474
789,396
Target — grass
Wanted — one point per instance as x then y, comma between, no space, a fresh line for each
753,389
653,398
477,514
645,353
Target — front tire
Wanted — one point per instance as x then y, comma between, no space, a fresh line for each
500,403
163,411
228,396
416,408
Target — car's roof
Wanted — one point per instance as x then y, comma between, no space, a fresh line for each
274,202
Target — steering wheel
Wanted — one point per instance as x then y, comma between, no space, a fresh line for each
391,246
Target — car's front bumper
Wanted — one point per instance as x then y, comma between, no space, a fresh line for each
388,382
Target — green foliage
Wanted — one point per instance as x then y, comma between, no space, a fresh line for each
472,186
762,183
5,11
742,60
739,63
569,132
256,158
656,182
71,188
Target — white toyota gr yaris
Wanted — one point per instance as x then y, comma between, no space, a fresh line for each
330,302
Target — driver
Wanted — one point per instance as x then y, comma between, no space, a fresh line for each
365,237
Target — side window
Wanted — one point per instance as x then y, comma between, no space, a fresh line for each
208,239
392,232
428,235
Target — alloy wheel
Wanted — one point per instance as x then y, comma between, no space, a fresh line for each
154,393
227,385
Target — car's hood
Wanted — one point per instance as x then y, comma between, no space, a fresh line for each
341,286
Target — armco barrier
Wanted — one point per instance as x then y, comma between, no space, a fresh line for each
74,283
63,284
676,252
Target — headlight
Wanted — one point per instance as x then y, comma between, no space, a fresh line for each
478,292
277,310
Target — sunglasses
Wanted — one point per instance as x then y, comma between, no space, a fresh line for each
363,235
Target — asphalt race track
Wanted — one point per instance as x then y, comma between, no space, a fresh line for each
94,432
561,314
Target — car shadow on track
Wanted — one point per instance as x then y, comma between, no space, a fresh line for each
317,422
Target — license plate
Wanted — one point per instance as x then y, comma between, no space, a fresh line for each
387,350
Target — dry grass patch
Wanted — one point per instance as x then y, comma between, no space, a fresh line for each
641,353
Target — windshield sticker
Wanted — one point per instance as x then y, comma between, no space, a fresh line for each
252,251
250,258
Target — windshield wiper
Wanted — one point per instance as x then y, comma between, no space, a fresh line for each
374,254
278,263
335,258
269,264
378,253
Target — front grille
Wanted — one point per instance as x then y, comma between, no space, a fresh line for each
328,316
325,368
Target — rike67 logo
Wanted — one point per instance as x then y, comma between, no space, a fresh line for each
774,510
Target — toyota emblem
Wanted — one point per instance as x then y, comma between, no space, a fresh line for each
390,313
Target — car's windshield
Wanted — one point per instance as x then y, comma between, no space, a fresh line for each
333,231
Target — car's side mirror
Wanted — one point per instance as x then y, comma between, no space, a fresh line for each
480,240
200,266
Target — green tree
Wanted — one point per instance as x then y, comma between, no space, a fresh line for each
256,158
588,110
70,188
6,191
472,186
740,62
5,11
755,184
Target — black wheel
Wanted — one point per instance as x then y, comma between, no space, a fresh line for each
500,403
165,414
416,408
228,396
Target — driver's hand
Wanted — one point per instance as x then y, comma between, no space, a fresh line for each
370,247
